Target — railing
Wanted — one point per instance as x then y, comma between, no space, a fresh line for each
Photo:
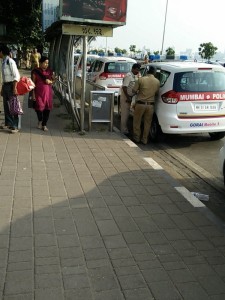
62,90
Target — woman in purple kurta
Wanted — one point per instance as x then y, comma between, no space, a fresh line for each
43,78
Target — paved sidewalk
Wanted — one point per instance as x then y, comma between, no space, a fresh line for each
88,218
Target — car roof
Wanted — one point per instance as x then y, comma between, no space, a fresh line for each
178,65
113,58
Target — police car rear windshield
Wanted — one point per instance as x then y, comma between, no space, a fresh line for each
118,67
201,81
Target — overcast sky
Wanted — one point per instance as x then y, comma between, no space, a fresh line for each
188,24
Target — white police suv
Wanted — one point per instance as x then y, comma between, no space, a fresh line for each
191,99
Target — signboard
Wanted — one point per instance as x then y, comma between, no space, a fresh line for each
101,108
72,29
94,11
50,9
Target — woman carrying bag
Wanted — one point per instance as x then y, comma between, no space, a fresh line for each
43,77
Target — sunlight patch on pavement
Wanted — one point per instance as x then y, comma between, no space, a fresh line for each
130,143
153,163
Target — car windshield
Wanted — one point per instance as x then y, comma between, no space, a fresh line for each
199,81
118,67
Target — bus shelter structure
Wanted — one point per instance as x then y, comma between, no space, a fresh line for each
64,37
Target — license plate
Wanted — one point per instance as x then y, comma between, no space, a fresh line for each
206,107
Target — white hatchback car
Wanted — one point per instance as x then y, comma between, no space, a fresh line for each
78,61
110,71
191,99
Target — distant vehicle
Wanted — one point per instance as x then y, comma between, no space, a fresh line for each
78,61
222,162
110,71
191,99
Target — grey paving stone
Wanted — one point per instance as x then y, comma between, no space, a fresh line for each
126,224
96,202
89,242
21,266
119,253
78,294
115,294
165,290
101,213
107,227
96,253
47,251
76,281
42,240
129,270
50,280
158,275
19,282
146,224
43,225
138,294
134,281
213,285
27,296
181,275
49,294
192,290
114,241
48,269
20,256
103,283
70,252
119,211
68,240
199,270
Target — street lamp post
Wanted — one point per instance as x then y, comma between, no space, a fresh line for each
164,29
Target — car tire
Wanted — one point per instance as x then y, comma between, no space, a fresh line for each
216,135
155,133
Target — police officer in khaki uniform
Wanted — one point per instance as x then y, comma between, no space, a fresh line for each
146,88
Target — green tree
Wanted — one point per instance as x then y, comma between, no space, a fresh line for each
207,50
132,48
23,22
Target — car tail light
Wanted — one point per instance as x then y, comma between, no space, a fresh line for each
170,97
103,76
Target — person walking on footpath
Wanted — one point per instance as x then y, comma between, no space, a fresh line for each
43,77
34,58
126,96
146,88
10,78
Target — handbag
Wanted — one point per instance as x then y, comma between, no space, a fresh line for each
31,101
15,106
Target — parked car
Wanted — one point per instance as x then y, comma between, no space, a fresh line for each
78,61
191,99
110,71
222,162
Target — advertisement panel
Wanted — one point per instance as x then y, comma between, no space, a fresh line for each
94,11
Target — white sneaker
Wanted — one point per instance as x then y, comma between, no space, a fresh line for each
44,128
14,130
39,126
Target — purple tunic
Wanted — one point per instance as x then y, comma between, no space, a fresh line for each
43,91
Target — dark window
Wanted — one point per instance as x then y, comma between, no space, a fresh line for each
200,81
118,67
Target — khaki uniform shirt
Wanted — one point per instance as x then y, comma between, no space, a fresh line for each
146,88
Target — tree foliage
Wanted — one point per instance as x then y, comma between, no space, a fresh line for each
23,22
207,50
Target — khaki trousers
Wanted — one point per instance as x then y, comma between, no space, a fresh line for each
146,112
125,112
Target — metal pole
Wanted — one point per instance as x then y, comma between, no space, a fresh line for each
164,29
83,83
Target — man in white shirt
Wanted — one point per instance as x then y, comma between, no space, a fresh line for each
126,97
10,77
